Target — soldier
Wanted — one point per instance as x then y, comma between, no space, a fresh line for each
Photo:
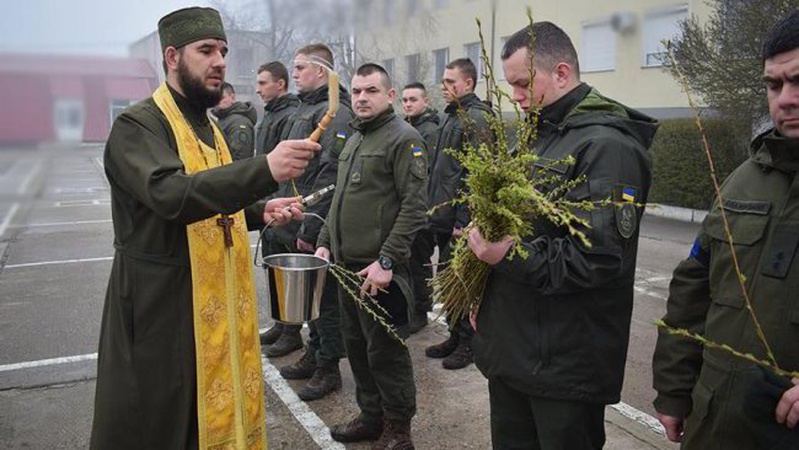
418,113
279,105
710,399
377,208
325,349
553,326
465,122
236,120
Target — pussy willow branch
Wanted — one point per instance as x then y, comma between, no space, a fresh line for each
747,356
720,204
347,279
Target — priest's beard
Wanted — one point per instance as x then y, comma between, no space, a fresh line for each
194,90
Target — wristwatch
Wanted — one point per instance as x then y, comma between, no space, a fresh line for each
385,262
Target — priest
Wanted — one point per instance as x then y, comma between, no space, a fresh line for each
179,357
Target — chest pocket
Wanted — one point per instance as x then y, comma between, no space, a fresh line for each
747,223
302,126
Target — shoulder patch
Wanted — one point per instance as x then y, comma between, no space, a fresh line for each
626,211
419,161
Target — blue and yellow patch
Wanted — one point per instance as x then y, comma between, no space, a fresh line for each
628,194
341,135
417,152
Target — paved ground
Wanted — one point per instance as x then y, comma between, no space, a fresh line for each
55,251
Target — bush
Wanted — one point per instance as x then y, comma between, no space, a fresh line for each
680,171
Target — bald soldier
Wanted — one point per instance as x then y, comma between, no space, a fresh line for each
179,359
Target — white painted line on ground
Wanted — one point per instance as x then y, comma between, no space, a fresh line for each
63,261
47,362
8,218
24,186
649,292
640,417
63,224
315,427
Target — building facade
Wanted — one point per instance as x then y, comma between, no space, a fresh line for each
618,42
67,98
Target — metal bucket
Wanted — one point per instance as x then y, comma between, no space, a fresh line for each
294,283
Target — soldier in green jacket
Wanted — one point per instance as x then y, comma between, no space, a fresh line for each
378,207
707,398
237,121
418,113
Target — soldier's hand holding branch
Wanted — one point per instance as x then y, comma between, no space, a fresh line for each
290,158
376,278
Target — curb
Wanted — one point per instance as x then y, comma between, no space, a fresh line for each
675,213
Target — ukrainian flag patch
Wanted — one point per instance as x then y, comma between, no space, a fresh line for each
628,194
341,135
417,152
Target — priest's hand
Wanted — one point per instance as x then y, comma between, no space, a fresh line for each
280,211
290,158
489,252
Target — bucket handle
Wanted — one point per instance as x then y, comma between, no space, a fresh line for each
261,236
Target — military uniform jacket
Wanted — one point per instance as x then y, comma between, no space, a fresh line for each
761,202
146,381
275,123
426,124
556,323
237,125
447,174
380,197
321,171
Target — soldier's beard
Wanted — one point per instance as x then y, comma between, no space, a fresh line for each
194,90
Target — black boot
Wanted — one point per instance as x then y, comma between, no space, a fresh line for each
325,379
396,436
289,341
460,357
303,368
270,336
356,430
445,348
418,321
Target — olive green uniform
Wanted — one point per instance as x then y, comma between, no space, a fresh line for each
237,124
709,387
378,206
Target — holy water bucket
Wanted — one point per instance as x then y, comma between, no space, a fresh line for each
294,283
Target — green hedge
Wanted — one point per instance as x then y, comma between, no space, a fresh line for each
680,173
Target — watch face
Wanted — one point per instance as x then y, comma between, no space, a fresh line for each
385,262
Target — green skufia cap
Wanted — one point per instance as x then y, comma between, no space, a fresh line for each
188,25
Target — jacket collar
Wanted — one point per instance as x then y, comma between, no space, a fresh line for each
777,151
376,122
557,111
464,102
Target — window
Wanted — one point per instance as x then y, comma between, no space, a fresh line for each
473,52
413,8
245,62
116,106
440,60
597,47
660,26
389,12
388,64
412,63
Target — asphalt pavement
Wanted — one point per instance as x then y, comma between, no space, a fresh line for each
55,256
